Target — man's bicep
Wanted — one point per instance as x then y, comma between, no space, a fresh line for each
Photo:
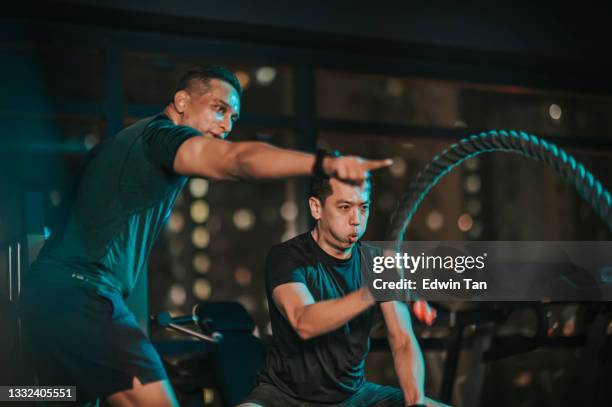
290,299
397,319
204,157
161,141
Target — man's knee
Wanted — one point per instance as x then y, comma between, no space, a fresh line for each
157,394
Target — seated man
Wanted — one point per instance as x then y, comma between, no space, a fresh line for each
321,315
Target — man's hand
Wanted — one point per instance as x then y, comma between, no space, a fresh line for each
424,312
352,169
414,396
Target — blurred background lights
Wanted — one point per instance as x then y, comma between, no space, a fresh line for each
472,184
244,219
176,222
177,295
398,168
289,211
198,187
465,222
199,211
247,302
288,234
202,289
394,87
244,79
555,111
208,396
243,276
201,263
265,75
435,220
523,379
200,237
472,164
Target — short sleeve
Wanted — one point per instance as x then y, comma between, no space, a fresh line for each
283,265
162,139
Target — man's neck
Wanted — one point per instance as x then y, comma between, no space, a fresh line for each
328,247
172,114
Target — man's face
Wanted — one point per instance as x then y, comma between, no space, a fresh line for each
343,217
212,111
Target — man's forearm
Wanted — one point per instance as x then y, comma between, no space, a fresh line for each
261,160
222,160
326,316
410,369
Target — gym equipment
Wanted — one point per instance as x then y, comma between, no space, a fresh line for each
563,164
570,170
226,356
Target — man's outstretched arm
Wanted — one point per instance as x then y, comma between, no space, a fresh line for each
220,159
407,356
309,318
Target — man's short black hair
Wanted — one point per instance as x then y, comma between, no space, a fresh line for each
205,74
321,188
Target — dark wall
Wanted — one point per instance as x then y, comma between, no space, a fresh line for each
575,32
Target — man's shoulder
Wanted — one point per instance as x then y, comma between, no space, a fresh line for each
295,245
369,250
145,123
296,251
365,246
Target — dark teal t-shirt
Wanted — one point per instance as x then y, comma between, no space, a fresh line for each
328,368
125,195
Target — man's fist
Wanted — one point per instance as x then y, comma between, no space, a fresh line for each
352,169
424,312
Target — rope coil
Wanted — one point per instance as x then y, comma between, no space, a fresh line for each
563,164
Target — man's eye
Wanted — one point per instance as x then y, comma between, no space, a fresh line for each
365,208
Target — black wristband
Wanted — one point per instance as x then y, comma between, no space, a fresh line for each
317,169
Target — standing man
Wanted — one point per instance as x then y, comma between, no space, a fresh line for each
321,314
75,319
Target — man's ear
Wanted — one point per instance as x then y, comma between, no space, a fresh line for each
181,98
315,207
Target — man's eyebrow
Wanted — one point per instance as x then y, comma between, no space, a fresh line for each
341,201
224,103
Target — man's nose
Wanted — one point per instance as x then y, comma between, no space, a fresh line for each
355,217
226,125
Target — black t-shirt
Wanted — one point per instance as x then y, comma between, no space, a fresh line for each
125,194
328,368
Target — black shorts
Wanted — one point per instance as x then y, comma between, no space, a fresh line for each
83,337
368,395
